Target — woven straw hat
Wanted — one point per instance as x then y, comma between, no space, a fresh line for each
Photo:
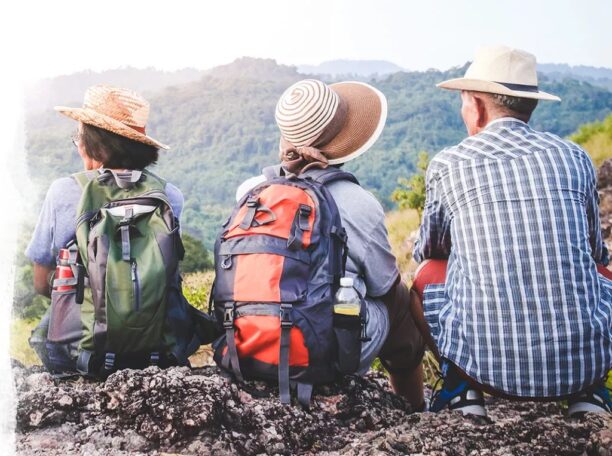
343,120
120,111
502,70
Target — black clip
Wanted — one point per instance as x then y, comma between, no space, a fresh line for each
228,316
226,263
286,317
109,361
154,359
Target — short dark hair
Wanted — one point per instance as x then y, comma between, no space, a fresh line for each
518,107
116,151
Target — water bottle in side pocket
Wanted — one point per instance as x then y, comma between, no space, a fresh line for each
347,326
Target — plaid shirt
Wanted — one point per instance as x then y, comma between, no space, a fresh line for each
523,309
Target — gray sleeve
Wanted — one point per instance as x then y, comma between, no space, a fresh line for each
380,266
56,224
380,269
176,199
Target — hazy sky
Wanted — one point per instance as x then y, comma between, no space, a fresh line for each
57,37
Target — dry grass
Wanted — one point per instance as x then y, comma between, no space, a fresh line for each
19,347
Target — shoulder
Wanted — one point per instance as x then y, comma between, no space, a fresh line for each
63,191
352,197
248,184
175,195
63,186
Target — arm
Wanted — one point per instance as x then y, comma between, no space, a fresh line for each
42,274
599,250
434,239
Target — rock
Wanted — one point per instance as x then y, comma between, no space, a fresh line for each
193,412
604,184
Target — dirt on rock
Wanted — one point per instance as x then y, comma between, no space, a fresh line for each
198,412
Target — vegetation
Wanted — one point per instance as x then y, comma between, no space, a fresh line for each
197,257
596,139
411,193
222,131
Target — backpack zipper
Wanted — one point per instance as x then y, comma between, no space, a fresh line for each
135,285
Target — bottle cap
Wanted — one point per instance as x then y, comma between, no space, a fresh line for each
346,282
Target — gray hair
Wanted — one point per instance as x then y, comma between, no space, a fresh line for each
515,106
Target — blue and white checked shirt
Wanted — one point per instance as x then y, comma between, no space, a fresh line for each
523,309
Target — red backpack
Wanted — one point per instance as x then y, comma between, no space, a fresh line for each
278,261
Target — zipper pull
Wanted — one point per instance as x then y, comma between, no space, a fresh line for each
133,264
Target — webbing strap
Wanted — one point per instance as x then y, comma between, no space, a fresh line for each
82,363
253,207
286,321
230,339
304,393
299,226
126,254
247,221
65,282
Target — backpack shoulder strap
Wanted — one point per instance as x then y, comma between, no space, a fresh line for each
270,172
84,177
331,174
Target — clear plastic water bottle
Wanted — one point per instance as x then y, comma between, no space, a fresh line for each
347,326
347,300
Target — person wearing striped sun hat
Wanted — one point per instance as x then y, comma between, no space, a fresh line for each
325,126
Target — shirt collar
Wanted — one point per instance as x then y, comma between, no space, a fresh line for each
504,119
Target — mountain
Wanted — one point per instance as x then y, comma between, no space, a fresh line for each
362,68
221,129
594,75
62,90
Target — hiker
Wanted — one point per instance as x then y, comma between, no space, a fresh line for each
322,127
115,150
512,280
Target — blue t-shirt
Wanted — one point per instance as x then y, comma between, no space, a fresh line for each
56,224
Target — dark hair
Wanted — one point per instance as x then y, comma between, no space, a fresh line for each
518,107
116,151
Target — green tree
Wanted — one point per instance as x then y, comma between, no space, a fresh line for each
411,193
197,258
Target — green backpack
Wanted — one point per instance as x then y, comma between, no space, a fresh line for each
132,310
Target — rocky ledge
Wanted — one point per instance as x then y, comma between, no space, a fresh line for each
198,412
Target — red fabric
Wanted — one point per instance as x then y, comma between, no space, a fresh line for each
258,277
284,202
604,271
434,272
258,337
430,272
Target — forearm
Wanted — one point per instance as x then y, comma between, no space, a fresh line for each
42,279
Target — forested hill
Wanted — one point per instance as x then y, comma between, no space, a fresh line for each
221,129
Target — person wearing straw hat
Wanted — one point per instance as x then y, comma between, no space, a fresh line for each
111,135
512,289
325,126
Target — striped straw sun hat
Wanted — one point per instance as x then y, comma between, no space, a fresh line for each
342,120
118,110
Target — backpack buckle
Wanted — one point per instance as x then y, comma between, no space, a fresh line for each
286,317
252,202
228,316
109,361
154,359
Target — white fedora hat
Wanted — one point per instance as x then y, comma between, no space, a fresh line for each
502,70
117,110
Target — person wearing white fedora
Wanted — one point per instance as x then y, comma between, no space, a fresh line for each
322,127
512,282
